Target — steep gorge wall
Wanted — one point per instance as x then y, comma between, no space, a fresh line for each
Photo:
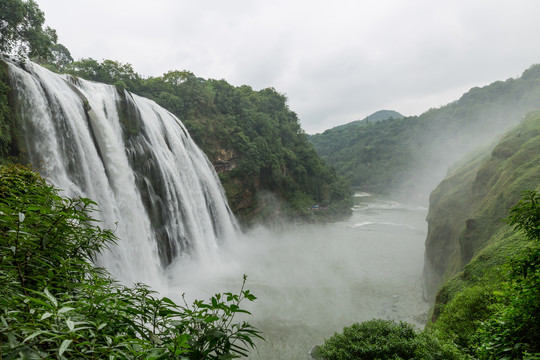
466,210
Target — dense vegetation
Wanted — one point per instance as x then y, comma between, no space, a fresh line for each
495,316
55,304
385,339
411,155
345,130
489,306
466,208
252,137
23,31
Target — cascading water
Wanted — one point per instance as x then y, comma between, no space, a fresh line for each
159,192
154,187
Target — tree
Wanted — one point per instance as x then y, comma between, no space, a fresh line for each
384,339
55,304
513,332
23,33
59,57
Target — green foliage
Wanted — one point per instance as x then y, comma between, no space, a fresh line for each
463,315
108,71
525,216
497,315
22,29
57,60
402,153
5,113
384,339
466,209
514,330
55,304
267,149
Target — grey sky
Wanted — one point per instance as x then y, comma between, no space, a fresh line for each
337,61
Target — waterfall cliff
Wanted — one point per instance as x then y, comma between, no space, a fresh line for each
154,187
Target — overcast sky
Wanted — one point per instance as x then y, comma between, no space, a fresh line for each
336,61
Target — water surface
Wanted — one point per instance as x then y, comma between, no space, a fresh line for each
312,280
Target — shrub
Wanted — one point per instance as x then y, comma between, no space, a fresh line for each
460,318
55,304
513,332
384,339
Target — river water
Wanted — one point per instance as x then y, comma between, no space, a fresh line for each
312,280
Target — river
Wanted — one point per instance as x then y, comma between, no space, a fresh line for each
160,194
312,280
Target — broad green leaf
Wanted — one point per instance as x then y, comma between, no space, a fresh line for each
65,309
64,346
46,315
168,301
33,335
70,324
51,297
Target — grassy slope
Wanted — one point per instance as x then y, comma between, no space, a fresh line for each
466,237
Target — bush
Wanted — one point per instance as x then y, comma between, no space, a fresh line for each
384,339
55,304
462,316
513,332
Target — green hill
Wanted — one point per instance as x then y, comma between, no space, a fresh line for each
375,117
466,230
478,268
466,209
255,142
410,156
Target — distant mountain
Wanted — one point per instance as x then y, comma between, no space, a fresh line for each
376,116
382,115
411,155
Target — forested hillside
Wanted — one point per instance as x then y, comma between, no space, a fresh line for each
252,138
484,261
483,250
411,155
466,209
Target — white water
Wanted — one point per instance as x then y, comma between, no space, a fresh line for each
312,280
87,153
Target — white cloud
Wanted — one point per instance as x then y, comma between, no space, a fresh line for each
336,61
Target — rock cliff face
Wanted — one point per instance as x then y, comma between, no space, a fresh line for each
467,208
225,160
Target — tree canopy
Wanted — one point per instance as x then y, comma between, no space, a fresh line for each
23,31
404,154
252,137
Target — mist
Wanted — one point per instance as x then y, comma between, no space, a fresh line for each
450,133
312,280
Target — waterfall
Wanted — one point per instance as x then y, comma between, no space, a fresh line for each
155,188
